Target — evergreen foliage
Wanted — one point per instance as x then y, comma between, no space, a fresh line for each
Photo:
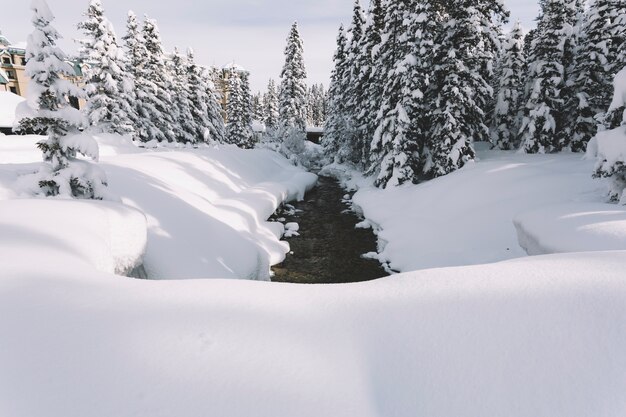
110,98
49,92
507,115
292,95
270,106
238,129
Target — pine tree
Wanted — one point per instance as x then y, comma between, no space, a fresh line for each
146,113
46,67
397,141
336,123
543,117
509,98
181,92
216,129
257,107
466,48
238,129
617,54
198,98
109,100
156,79
370,81
292,94
592,77
270,105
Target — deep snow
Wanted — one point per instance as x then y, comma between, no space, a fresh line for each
535,336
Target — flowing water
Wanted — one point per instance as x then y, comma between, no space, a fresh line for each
329,247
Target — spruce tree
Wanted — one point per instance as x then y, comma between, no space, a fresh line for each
368,86
198,98
466,48
270,105
257,107
109,99
216,129
336,123
238,129
48,92
397,142
181,92
510,91
544,112
617,54
157,80
146,113
292,96
592,77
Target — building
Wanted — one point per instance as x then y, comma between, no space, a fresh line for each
221,78
13,70
12,67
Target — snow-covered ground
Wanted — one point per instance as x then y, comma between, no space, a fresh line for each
535,336
206,209
468,217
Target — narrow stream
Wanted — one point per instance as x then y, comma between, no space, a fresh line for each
328,249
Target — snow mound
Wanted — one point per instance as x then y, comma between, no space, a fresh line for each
573,227
9,103
107,236
466,218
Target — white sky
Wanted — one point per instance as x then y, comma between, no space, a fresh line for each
250,32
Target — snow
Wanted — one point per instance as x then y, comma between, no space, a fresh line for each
8,106
619,97
536,336
572,227
206,208
466,218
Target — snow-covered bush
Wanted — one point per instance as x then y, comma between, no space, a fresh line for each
610,147
292,143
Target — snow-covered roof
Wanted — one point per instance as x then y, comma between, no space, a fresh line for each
232,66
4,78
8,106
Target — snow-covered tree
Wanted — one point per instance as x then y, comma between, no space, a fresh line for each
510,90
109,94
48,94
292,95
270,105
336,121
591,75
610,146
238,129
466,48
216,128
543,116
198,98
397,142
257,107
181,93
157,84
316,105
368,86
617,53
147,113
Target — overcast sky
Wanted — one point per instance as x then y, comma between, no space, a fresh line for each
250,32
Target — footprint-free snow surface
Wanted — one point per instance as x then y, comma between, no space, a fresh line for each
537,336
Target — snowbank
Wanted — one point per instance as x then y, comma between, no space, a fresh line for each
206,208
573,227
106,236
541,336
8,105
466,218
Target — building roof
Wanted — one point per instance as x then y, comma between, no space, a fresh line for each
231,66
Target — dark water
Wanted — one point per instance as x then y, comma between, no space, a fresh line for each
329,247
